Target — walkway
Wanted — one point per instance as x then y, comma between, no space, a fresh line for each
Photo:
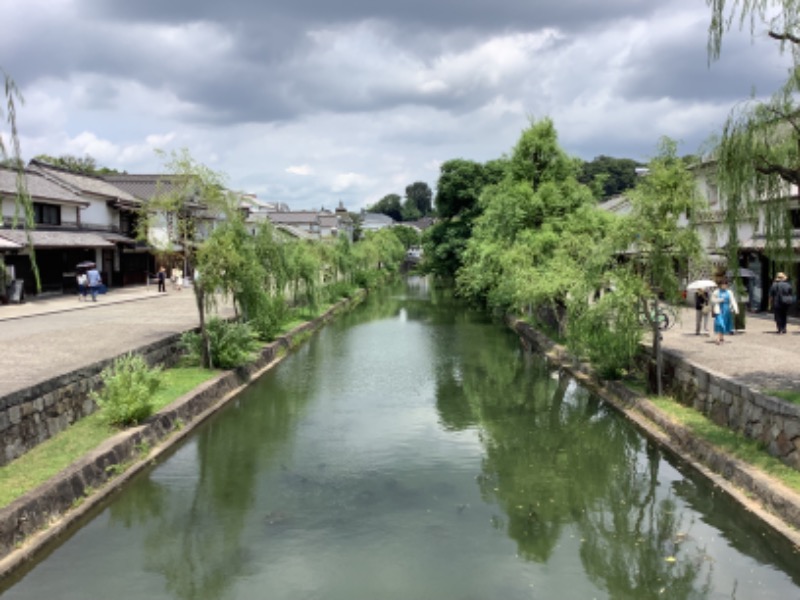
757,356
47,337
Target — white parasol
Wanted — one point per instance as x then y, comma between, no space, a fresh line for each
701,284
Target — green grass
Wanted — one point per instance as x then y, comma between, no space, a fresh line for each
48,458
792,396
732,443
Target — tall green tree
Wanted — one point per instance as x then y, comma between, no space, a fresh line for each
460,185
758,155
390,205
23,205
420,196
189,198
658,242
609,176
537,229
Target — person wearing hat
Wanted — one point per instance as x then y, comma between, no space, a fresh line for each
781,297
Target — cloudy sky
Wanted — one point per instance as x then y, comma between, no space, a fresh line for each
312,102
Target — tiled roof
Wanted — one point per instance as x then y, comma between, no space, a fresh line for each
329,220
39,187
83,183
144,187
294,232
56,239
293,217
9,245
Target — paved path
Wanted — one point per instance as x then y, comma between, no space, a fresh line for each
44,338
757,356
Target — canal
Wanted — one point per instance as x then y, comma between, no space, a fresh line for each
413,450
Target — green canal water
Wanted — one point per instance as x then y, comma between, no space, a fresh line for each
413,450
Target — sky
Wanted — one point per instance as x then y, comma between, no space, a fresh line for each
315,102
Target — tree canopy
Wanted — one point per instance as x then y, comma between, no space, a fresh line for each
390,205
758,155
609,176
85,165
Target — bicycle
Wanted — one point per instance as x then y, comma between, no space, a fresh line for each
666,318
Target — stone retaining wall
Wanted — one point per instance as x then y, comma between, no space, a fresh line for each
127,452
32,415
777,505
770,421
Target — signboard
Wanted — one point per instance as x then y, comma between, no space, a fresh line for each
15,291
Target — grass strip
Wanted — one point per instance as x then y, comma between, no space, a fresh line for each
729,441
792,396
48,458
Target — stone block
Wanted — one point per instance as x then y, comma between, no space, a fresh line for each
5,422
15,414
792,427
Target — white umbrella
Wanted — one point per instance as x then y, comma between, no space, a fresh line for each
701,284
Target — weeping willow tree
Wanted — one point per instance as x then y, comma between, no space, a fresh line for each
758,156
11,154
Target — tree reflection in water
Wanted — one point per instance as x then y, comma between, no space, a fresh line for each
210,553
556,459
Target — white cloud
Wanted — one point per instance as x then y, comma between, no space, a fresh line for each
300,170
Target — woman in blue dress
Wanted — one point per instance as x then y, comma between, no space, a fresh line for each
724,305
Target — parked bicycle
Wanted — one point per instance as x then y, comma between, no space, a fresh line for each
666,317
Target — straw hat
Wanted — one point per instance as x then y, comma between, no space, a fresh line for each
780,277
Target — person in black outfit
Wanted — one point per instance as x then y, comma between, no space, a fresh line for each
702,308
781,298
162,279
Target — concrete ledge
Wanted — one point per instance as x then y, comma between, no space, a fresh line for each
30,523
775,504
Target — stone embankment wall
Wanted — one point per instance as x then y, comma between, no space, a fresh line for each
776,505
772,422
32,415
49,510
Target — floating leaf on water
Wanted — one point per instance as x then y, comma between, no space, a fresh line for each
670,559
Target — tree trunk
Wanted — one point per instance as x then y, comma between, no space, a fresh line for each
657,345
205,342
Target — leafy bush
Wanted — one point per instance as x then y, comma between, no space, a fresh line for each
271,314
340,289
127,392
608,332
232,344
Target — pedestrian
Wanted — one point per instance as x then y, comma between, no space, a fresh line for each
94,281
702,307
781,297
177,279
724,306
82,282
162,279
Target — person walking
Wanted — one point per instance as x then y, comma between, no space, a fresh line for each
162,279
94,281
82,282
724,307
781,297
702,307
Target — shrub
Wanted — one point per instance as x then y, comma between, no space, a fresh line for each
340,289
232,344
271,314
127,392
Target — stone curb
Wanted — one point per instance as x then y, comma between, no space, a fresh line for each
32,522
776,505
